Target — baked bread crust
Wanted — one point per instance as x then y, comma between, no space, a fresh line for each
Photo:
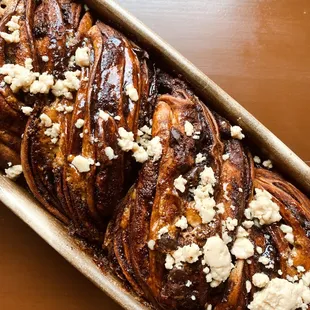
130,159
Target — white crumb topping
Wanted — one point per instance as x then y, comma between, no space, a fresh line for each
225,185
241,232
182,223
71,61
220,208
28,64
186,254
13,27
53,132
242,248
230,223
72,81
281,294
188,283
259,250
66,86
82,56
260,280
200,158
217,257
126,140
147,148
236,132
110,153
151,244
139,153
19,77
257,160
43,85
179,183
169,261
154,148
226,238
292,279
189,128
263,208
162,231
196,135
207,176
143,138
64,108
45,120
226,156
68,108
45,58
146,129
13,37
27,110
204,202
79,123
288,231
60,108
13,23
105,116
248,286
247,224
82,164
268,164
132,93
117,118
306,278
13,172
290,260
264,260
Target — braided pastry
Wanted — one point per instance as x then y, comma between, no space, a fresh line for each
129,158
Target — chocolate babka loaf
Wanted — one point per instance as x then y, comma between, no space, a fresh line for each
133,162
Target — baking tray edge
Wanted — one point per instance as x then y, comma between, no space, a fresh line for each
56,235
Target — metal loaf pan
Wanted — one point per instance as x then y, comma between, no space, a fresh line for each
56,235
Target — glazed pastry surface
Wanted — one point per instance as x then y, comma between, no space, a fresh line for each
127,157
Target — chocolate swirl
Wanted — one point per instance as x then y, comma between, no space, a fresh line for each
130,159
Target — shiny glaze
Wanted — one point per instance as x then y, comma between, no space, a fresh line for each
85,201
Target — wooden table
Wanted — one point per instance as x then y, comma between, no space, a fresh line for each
257,50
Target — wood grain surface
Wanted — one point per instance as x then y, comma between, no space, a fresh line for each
257,50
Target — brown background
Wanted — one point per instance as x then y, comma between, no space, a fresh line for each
258,51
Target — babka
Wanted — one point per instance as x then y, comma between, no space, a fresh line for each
125,155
